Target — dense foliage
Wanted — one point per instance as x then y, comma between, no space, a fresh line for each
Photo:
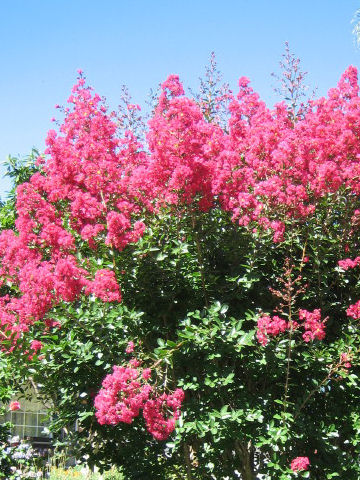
201,275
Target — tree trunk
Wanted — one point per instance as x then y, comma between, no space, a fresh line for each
187,461
246,467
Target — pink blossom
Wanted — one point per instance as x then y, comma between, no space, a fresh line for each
270,327
299,464
157,423
130,347
126,392
345,360
121,397
51,323
15,405
354,310
348,263
314,326
36,345
105,286
146,373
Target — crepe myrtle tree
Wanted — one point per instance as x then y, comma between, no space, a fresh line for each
187,292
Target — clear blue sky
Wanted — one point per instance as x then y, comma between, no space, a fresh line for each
140,42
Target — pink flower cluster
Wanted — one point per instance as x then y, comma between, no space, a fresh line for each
345,360
15,405
130,347
348,263
161,413
287,167
354,310
272,326
104,286
314,326
36,345
79,196
122,396
299,464
126,391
